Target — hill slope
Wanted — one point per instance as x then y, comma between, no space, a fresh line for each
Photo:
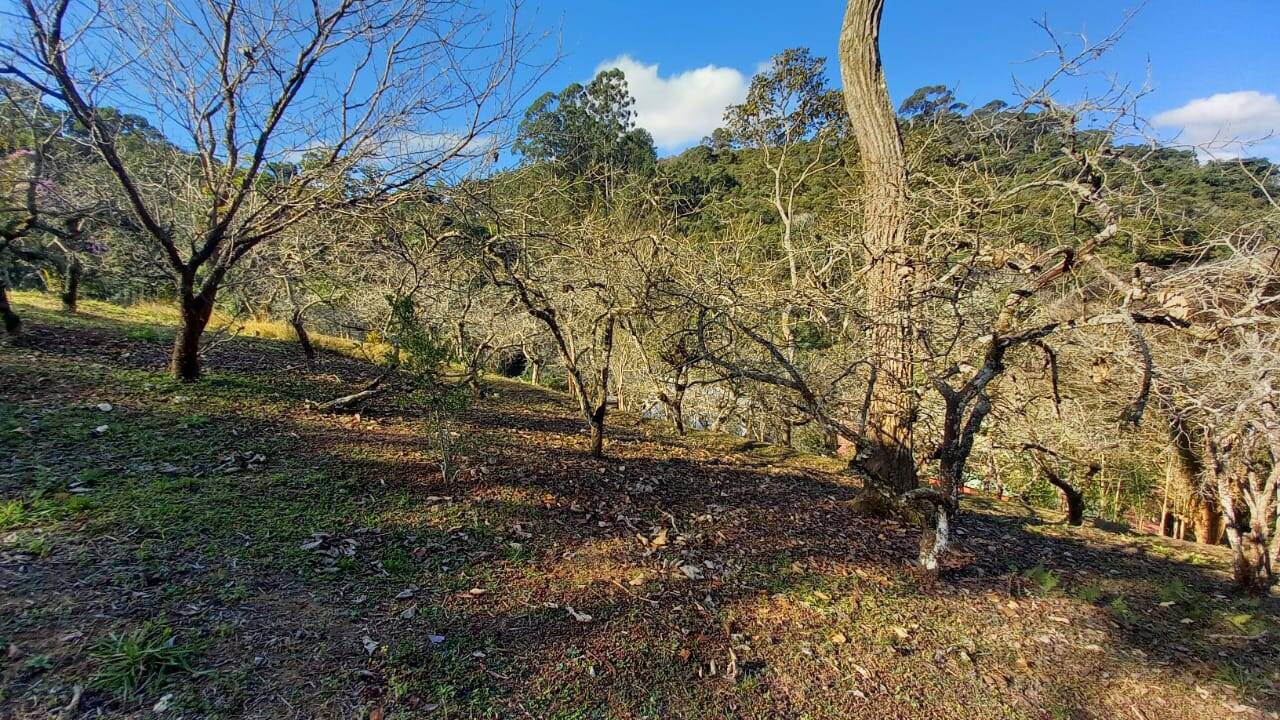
235,554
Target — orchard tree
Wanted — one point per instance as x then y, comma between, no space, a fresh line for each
276,111
581,274
944,282
793,120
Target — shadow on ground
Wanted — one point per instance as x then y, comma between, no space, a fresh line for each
341,571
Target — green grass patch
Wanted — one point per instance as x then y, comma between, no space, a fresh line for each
140,661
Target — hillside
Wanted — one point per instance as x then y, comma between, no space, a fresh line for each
220,550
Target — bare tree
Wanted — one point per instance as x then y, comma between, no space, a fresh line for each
579,272
940,291
266,130
1222,380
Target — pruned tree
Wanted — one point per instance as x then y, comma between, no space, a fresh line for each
1221,379
1050,463
939,290
48,207
580,276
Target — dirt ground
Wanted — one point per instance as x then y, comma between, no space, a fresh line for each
221,550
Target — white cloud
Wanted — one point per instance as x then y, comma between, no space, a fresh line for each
1227,125
680,109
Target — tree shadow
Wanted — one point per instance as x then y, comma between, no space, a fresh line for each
677,559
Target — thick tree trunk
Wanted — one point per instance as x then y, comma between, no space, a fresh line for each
12,323
1208,520
300,329
196,309
888,457
1251,567
536,373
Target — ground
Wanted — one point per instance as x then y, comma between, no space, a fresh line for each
221,550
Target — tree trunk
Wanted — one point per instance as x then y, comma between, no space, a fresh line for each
196,309
677,408
71,285
937,508
596,423
304,339
1186,470
1074,500
12,323
1250,565
1073,497
888,457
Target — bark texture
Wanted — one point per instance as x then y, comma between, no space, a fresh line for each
196,308
888,456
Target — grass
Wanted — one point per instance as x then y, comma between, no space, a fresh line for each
283,567
14,514
141,660
1046,580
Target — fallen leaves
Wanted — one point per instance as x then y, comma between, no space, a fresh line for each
692,572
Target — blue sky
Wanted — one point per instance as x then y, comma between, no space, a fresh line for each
1223,53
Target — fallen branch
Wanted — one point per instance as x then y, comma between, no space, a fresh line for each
374,388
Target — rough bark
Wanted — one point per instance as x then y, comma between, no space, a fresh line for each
12,322
196,309
888,457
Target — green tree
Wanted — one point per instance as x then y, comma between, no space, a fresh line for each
588,132
929,103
